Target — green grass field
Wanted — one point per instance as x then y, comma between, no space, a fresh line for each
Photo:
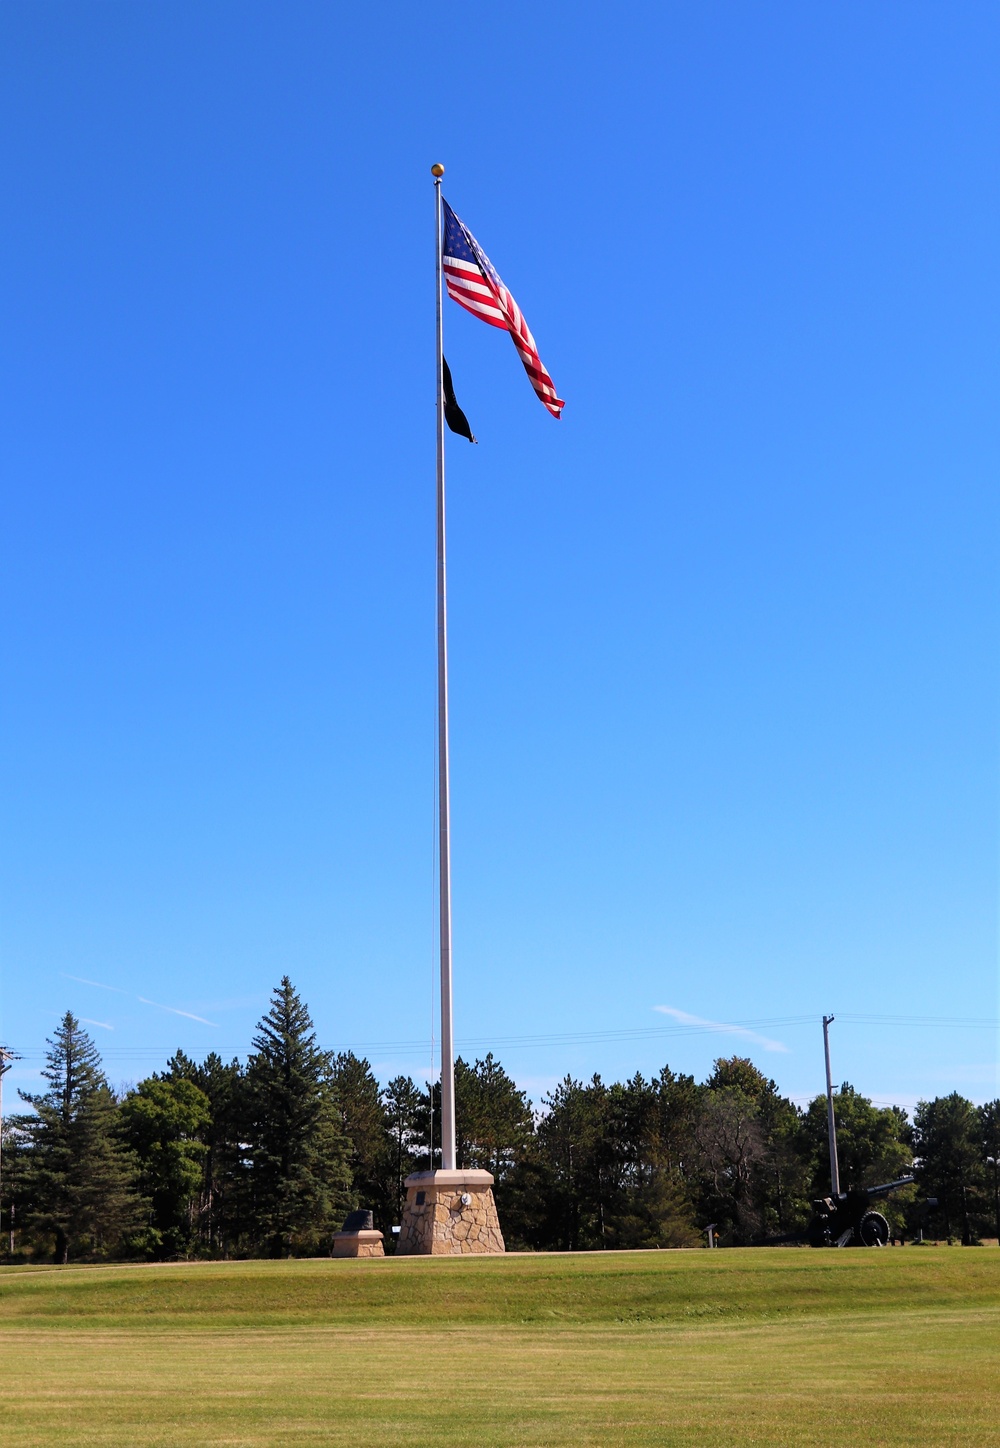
771,1346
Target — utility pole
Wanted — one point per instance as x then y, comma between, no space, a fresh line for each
831,1124
6,1057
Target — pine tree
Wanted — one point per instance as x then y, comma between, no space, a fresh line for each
359,1102
494,1120
989,1137
162,1122
225,1209
79,1174
406,1118
947,1137
570,1138
301,1176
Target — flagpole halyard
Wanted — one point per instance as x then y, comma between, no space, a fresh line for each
444,792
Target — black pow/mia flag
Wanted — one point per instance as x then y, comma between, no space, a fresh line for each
453,414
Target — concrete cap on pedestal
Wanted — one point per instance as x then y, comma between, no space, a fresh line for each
451,1179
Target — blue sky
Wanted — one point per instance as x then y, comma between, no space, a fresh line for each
725,720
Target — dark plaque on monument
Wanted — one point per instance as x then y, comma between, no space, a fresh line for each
360,1221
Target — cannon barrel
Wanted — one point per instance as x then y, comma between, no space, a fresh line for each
886,1187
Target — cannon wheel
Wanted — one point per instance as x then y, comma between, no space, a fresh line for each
873,1230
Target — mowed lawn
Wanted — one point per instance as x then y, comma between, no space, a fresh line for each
771,1346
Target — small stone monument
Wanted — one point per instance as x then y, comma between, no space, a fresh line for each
358,1237
449,1214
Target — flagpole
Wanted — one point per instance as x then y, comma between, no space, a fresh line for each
444,799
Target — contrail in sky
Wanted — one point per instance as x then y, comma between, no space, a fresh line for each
81,981
684,1019
99,985
103,1024
174,1011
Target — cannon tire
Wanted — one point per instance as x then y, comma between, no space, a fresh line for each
873,1230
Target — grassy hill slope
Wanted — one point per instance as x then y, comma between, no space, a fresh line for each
583,1288
735,1347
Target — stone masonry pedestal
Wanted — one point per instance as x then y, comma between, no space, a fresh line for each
358,1237
358,1244
449,1214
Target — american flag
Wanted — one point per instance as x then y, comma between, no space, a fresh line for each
473,283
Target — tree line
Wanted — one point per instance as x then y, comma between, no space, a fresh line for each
221,1160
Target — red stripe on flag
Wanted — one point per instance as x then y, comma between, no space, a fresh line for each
465,282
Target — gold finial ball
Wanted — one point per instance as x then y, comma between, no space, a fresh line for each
437,169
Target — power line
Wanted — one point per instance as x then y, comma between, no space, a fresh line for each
581,1038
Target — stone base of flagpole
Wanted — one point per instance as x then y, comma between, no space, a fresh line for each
449,1214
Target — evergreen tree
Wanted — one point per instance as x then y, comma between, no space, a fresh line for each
951,1167
648,1195
300,1172
359,1101
608,1166
494,1129
989,1136
678,1103
989,1128
161,1121
571,1140
236,1161
78,1171
428,1138
405,1122
225,1206
493,1119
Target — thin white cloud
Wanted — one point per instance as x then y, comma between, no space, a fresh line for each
99,985
175,1012
103,1024
684,1019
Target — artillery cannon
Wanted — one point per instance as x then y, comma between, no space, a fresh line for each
849,1220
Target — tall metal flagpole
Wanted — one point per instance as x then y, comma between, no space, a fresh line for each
444,806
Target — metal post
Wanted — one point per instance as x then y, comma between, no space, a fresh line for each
6,1057
444,801
831,1124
